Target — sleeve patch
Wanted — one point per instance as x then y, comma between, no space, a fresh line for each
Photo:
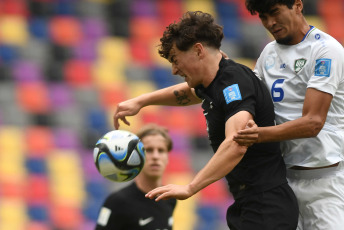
104,216
232,93
323,67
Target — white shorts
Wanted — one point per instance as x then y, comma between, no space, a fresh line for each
320,194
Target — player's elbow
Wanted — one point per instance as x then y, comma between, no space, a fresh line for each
316,124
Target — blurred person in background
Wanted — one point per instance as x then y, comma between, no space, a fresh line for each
231,95
128,209
304,70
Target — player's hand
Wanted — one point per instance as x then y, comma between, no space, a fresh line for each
247,136
126,108
180,192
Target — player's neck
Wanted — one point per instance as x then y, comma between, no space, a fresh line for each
212,66
147,184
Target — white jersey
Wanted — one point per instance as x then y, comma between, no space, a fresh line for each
288,70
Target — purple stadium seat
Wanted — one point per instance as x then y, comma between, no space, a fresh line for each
93,28
66,139
86,50
60,95
143,8
27,71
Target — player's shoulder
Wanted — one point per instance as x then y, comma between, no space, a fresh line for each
121,195
322,39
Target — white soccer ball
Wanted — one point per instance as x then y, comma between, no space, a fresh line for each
119,155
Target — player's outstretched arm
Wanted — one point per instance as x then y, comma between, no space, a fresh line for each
228,155
315,109
176,95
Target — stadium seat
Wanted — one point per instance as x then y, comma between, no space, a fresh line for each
78,73
140,51
85,50
33,97
8,53
66,217
13,30
105,73
207,6
93,28
26,71
18,8
114,49
39,141
36,225
112,95
38,28
37,190
65,138
143,8
65,30
38,213
61,96
12,214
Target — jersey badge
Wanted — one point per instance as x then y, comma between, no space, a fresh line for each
232,93
269,62
323,67
104,216
299,64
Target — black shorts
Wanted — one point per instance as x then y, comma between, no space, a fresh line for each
275,209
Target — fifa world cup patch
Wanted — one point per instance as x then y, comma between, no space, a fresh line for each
232,93
323,67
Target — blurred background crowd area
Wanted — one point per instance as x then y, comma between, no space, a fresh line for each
65,64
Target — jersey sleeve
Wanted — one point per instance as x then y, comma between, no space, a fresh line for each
327,66
237,92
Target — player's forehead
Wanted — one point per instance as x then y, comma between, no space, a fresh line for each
174,51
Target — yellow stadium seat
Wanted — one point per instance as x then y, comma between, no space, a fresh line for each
114,49
13,30
12,214
107,72
206,6
66,177
11,140
317,22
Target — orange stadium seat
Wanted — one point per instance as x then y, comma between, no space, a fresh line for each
65,30
33,97
39,141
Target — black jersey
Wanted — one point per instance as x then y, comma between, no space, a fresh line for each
234,89
129,209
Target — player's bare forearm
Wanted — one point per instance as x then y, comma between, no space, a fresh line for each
176,95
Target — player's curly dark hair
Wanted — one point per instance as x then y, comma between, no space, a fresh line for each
193,27
263,6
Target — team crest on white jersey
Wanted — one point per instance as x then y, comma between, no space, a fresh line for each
299,64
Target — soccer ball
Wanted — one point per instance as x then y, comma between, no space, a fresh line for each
119,155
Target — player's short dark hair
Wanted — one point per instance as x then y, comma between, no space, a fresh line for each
153,129
193,27
263,6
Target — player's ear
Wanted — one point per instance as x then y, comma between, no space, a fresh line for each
199,49
299,6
